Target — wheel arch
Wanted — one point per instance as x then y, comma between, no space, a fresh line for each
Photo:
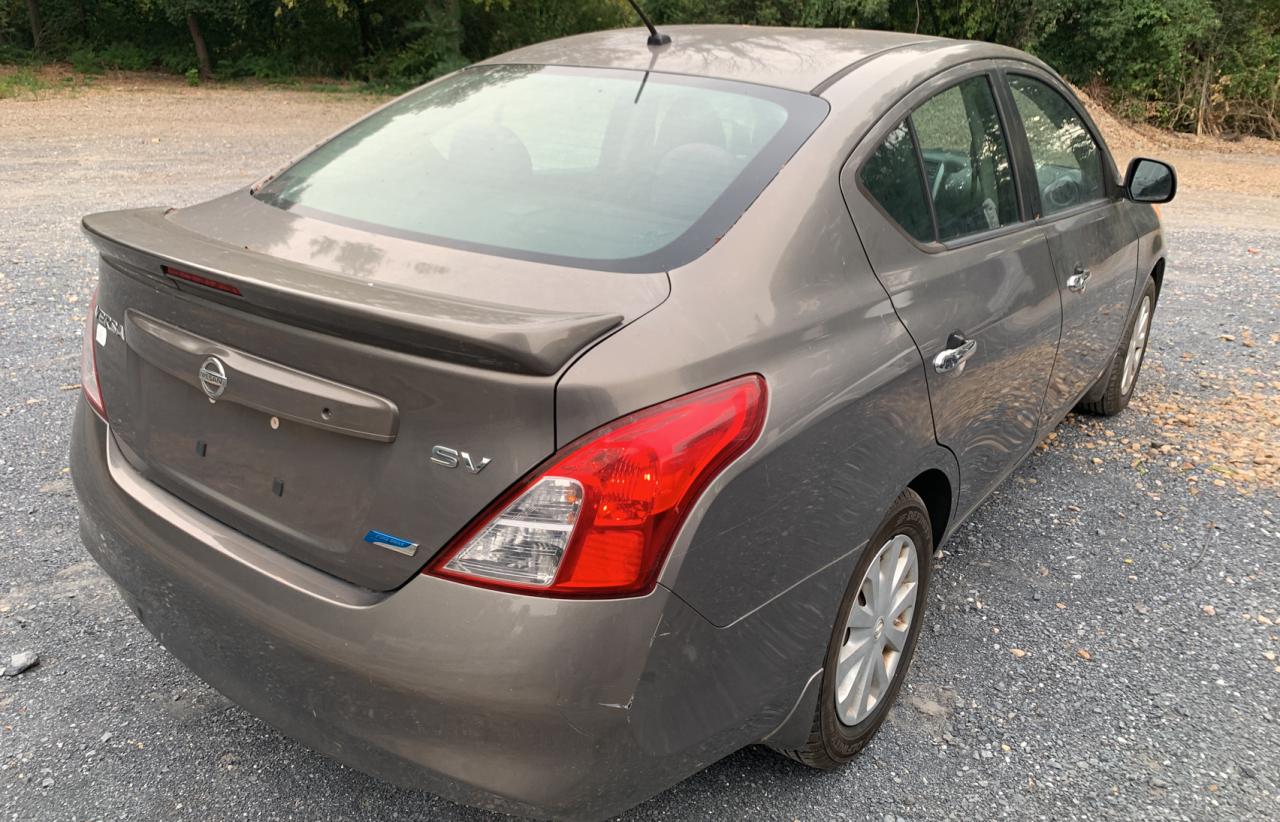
1157,274
935,488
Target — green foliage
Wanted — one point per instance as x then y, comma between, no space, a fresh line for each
271,67
12,54
432,48
121,56
25,82
1196,65
1193,65
21,83
129,57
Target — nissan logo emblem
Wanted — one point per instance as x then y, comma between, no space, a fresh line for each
213,378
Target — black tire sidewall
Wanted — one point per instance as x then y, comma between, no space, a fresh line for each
907,516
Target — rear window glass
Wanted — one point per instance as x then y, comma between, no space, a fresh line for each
617,170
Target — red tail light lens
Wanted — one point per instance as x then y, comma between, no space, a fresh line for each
89,359
599,518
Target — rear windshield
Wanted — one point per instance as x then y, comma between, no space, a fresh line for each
616,170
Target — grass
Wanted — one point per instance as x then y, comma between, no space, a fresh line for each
316,85
26,82
21,83
30,81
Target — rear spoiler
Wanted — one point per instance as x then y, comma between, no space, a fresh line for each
140,242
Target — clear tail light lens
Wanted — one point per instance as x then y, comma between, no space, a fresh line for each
89,360
525,543
598,519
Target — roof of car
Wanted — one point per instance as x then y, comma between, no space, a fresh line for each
792,58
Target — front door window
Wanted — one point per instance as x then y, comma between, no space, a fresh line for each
1068,162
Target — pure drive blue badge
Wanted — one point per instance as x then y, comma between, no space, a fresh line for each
400,546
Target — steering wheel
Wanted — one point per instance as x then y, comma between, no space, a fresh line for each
1061,193
948,163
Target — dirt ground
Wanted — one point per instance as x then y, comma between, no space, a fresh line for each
1234,182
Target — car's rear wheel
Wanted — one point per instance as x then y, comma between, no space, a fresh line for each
1122,377
874,636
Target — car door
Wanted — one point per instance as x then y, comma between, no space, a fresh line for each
1070,185
933,194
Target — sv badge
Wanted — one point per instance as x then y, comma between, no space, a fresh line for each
452,458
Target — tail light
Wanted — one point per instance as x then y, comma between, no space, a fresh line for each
216,285
89,360
599,517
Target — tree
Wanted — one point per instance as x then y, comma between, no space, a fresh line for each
37,30
205,66
189,13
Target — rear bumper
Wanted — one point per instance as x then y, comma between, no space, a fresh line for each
541,707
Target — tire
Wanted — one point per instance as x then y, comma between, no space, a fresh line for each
832,742
1115,388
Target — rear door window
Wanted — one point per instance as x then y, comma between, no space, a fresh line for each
966,160
892,177
1068,161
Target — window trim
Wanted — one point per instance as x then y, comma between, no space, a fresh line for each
914,99
920,167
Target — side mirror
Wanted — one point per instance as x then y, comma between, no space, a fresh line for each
1150,181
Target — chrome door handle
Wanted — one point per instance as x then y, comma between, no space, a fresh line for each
1077,281
952,360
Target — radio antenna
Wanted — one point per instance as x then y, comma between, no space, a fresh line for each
656,38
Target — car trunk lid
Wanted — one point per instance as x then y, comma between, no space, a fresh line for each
299,395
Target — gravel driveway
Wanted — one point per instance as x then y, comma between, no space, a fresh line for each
1103,633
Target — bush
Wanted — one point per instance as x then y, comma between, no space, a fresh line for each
117,56
21,83
431,51
261,67
14,55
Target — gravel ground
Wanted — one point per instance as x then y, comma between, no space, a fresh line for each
1102,633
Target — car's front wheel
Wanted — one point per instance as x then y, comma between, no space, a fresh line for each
874,636
1122,377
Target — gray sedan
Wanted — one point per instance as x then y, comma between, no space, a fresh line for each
586,415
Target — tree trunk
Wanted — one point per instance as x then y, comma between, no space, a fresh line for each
202,51
37,30
366,36
1202,119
